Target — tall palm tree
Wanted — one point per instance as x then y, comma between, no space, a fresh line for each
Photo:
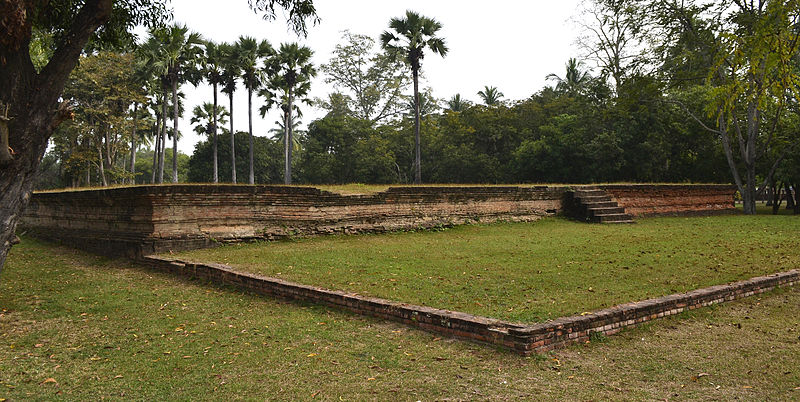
575,81
457,104
213,73
251,55
230,72
490,95
411,36
175,62
291,72
152,60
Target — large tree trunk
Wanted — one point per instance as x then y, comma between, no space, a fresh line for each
252,177
417,146
32,100
233,142
133,143
216,167
175,131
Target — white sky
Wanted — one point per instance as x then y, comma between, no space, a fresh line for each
510,44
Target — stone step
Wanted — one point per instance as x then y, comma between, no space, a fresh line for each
603,211
600,204
593,199
609,218
588,193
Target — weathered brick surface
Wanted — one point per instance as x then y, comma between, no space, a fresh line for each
521,338
162,218
672,199
150,219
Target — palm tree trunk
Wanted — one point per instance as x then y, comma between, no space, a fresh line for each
216,175
233,142
163,137
287,178
417,148
175,131
133,143
289,141
250,128
156,147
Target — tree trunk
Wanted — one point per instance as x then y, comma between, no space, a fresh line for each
102,165
233,142
156,150
133,143
252,177
32,101
175,131
417,146
216,168
163,138
289,134
790,200
774,199
287,174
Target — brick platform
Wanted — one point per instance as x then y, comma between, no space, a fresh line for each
520,338
135,221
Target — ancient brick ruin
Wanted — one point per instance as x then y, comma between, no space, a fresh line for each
140,221
135,221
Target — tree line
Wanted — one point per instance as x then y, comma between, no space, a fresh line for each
681,92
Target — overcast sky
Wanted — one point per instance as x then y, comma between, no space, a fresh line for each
509,44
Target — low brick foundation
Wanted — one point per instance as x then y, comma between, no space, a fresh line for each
141,220
520,338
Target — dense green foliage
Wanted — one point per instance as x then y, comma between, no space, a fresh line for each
267,156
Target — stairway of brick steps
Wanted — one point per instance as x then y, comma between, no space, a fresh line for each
597,206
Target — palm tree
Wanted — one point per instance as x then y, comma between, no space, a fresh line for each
291,72
230,72
490,95
415,33
575,81
251,54
212,71
279,132
205,118
457,104
152,60
174,61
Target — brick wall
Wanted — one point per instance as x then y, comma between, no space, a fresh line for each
151,219
161,218
520,338
672,199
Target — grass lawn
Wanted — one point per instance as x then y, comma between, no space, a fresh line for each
530,272
80,327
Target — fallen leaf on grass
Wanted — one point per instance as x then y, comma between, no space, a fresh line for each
49,381
747,387
117,376
311,355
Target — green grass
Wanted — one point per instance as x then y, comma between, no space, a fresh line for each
79,327
530,272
